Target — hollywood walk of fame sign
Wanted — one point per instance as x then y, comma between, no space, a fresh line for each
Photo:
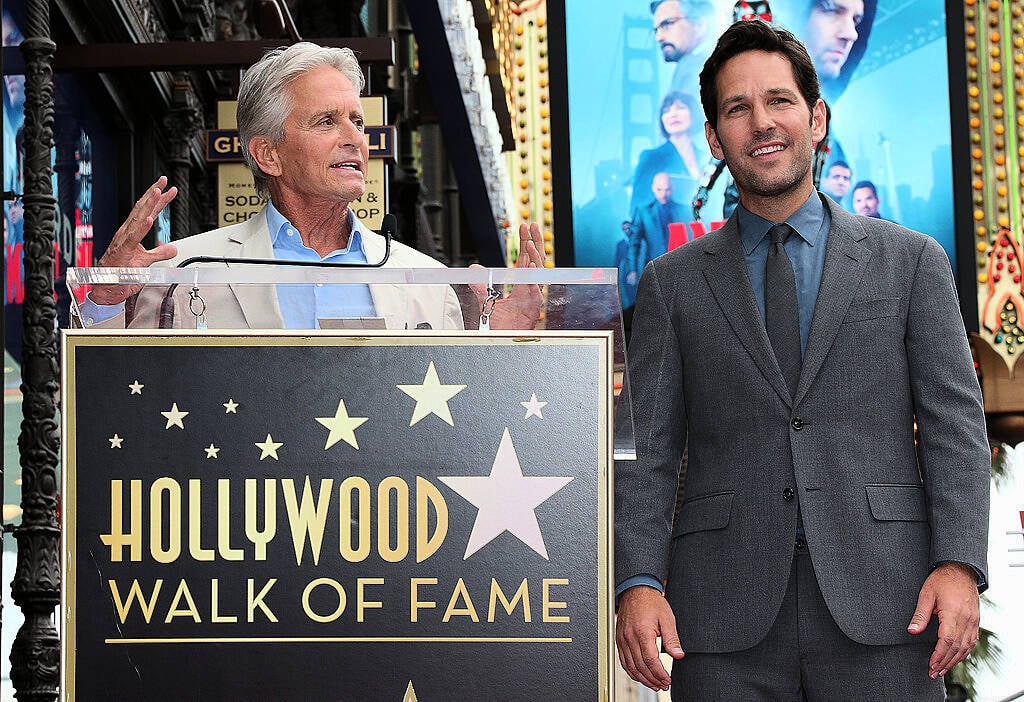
296,516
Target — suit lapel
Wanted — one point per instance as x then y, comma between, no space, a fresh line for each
258,302
726,273
845,261
386,300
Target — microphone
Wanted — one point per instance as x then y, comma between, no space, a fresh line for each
389,227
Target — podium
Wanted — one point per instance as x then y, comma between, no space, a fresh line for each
393,505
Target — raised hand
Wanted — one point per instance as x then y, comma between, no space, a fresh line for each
521,308
126,249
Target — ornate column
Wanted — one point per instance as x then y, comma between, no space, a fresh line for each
35,656
182,124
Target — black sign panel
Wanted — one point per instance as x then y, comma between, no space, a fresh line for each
315,517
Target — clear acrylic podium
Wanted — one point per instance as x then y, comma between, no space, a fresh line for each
222,297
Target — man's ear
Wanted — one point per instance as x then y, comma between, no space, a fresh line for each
819,121
265,154
712,136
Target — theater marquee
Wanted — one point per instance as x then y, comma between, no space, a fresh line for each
308,516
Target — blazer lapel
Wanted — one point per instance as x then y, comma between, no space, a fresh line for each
726,273
258,302
387,300
845,261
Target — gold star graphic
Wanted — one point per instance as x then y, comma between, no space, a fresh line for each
136,388
342,426
212,451
174,417
431,397
115,441
533,407
269,448
230,407
410,694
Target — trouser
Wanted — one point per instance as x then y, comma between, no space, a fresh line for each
806,656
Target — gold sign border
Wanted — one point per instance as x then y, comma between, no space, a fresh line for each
73,339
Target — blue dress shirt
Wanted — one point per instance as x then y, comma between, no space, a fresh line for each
302,305
806,252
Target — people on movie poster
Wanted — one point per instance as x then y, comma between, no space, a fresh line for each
682,155
685,33
906,164
836,34
836,180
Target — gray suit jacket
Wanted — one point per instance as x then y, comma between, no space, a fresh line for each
887,346
243,306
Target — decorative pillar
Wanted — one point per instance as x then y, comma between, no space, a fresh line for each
182,124
35,655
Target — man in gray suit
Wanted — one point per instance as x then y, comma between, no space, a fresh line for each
819,532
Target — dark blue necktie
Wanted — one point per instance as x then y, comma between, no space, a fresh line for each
781,312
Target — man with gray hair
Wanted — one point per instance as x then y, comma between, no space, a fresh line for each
302,126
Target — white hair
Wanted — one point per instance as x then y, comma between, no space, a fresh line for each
263,99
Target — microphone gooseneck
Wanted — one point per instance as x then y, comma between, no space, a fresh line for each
389,227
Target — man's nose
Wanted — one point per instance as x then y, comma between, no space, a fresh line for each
762,117
350,135
847,30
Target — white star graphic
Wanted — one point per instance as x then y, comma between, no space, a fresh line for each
136,388
342,426
212,451
431,397
230,407
174,417
410,694
115,441
505,500
269,448
533,407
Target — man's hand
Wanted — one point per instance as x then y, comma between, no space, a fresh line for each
951,592
126,249
644,614
521,309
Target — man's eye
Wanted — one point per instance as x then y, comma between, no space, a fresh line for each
327,121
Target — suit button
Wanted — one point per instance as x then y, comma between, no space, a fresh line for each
788,494
797,423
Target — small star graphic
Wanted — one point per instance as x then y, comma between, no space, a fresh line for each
533,407
342,426
269,448
410,694
212,451
115,441
136,388
174,417
505,500
431,397
230,407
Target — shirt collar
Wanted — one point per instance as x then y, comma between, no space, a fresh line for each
806,221
278,225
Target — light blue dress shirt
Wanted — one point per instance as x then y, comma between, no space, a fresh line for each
806,252
302,305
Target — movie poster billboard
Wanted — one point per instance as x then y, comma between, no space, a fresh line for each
636,125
